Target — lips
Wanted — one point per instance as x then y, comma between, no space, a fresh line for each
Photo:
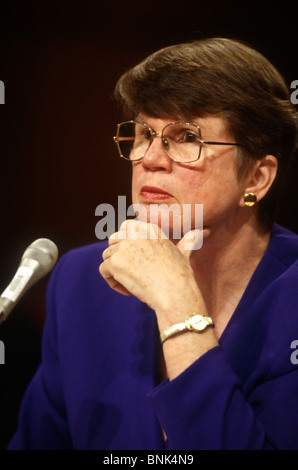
154,193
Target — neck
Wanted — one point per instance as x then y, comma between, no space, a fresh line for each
224,266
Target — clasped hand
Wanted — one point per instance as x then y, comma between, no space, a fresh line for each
142,261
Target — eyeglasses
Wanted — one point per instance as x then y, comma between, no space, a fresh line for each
182,141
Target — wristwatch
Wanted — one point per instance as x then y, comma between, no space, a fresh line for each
195,322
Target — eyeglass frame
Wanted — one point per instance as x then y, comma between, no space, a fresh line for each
154,134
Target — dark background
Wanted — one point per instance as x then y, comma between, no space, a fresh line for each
59,61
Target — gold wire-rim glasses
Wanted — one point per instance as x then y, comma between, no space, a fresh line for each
154,134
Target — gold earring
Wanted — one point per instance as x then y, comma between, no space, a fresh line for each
250,199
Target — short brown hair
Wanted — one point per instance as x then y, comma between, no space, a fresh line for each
223,77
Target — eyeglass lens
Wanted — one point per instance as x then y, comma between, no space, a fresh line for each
182,141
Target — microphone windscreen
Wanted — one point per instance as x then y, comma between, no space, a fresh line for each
44,251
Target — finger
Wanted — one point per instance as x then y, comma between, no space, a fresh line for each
108,252
190,242
112,282
122,234
116,286
115,238
137,229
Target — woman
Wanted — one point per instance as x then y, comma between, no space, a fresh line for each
212,124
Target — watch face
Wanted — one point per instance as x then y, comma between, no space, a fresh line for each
197,322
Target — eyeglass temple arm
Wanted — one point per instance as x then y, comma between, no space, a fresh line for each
208,142
123,138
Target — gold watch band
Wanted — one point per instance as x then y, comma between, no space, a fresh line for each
194,322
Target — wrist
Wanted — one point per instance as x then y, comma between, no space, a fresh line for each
177,310
181,351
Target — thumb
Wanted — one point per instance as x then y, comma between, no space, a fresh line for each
191,241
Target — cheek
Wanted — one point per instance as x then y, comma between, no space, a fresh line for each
134,183
218,190
194,187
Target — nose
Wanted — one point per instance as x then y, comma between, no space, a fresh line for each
156,157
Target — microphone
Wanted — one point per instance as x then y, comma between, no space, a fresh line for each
37,261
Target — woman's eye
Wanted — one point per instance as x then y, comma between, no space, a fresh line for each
189,137
181,136
146,134
142,132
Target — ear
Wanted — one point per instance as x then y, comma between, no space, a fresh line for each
261,177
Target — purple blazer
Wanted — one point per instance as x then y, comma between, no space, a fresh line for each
98,388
